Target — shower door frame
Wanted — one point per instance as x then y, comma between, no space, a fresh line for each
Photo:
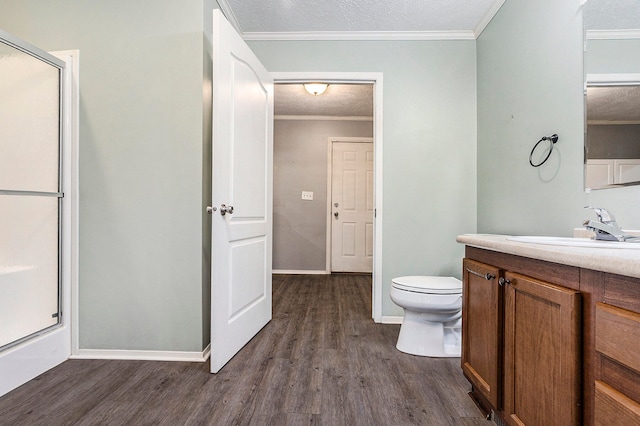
43,350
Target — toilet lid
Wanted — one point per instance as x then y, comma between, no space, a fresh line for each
429,285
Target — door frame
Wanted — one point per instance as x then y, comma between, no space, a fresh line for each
330,143
374,78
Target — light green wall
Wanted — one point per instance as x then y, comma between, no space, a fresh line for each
142,69
429,142
530,84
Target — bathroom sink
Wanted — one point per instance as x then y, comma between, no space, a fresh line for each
574,242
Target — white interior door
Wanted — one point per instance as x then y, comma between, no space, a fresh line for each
242,194
352,207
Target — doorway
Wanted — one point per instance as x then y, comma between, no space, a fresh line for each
375,81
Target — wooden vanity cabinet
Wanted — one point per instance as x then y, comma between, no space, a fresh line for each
554,345
521,338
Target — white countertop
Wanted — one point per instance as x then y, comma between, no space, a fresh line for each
617,261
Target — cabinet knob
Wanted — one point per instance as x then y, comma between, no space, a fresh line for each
489,277
503,282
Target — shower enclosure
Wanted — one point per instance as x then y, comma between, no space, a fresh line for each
30,191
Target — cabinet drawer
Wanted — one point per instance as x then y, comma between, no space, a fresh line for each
617,334
614,408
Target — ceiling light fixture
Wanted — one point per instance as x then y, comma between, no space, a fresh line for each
315,89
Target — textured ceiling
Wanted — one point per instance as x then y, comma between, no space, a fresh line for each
353,16
611,14
339,100
613,104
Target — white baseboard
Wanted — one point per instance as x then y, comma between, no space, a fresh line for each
143,355
391,320
301,272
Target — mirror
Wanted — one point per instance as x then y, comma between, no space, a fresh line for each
612,93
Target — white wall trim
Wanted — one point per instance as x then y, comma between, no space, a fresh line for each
391,320
323,117
495,7
72,57
375,78
612,122
134,355
377,236
360,35
369,35
228,13
326,77
612,34
619,79
299,272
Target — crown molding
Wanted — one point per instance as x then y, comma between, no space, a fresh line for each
369,35
619,79
323,117
613,122
228,13
612,34
495,7
358,35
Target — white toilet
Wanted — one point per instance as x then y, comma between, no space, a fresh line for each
432,324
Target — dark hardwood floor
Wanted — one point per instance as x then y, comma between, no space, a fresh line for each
321,360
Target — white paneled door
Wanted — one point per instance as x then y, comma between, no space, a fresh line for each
242,194
352,207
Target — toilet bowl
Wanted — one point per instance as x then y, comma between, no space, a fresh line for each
432,324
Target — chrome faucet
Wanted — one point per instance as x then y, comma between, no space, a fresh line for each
606,228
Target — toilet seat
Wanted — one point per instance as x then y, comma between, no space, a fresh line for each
428,284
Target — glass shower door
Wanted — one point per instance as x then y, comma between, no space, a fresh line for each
30,194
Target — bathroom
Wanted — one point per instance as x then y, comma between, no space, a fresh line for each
460,117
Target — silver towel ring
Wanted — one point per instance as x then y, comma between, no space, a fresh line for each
552,140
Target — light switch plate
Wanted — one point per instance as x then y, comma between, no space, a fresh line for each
307,195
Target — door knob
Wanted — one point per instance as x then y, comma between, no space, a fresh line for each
336,214
224,209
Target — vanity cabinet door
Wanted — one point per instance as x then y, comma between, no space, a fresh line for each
542,361
481,332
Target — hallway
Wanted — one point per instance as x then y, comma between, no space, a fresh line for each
320,361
